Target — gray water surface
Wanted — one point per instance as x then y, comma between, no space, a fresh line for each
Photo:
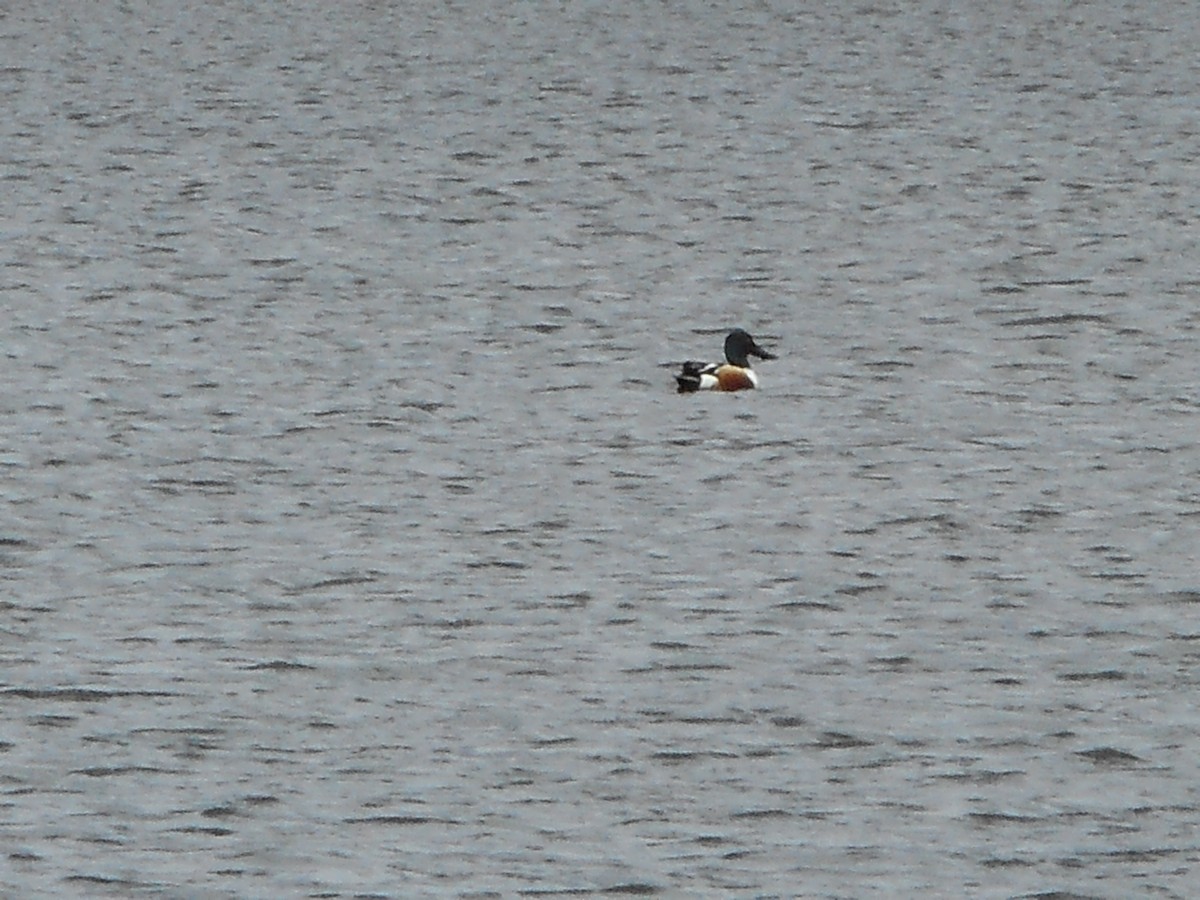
354,540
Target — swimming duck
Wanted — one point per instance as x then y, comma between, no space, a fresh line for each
733,375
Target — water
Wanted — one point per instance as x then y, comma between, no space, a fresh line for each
356,544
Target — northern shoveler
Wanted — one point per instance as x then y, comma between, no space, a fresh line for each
733,375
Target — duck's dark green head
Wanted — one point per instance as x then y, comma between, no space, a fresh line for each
739,346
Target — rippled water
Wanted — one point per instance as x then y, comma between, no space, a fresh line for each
355,542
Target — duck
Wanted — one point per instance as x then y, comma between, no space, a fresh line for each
734,374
